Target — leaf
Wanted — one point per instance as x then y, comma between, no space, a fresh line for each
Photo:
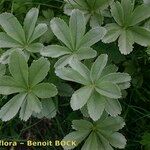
38,71
117,13
9,86
7,42
80,97
93,36
141,35
113,107
80,68
111,124
55,51
61,31
34,103
35,47
11,108
12,27
63,61
44,90
126,42
91,143
108,89
25,111
109,69
82,125
128,6
116,78
77,136
96,20
98,67
113,32
77,26
40,29
30,22
2,69
96,106
48,109
18,68
117,140
86,53
70,74
140,13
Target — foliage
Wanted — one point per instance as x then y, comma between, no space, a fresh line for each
92,10
127,29
18,37
26,82
99,82
102,86
77,43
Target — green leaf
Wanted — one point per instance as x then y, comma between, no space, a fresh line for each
141,35
140,13
93,36
98,67
12,27
113,107
81,125
18,68
86,53
48,109
61,31
11,108
80,97
30,22
116,77
44,90
40,29
35,47
117,140
128,6
70,74
25,111
77,136
96,20
77,26
126,42
91,143
9,86
2,69
109,69
111,124
7,42
113,32
55,51
108,89
117,13
38,71
34,103
96,106
80,68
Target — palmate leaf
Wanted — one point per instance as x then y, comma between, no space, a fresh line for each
25,81
18,37
95,136
92,10
126,29
77,43
102,86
